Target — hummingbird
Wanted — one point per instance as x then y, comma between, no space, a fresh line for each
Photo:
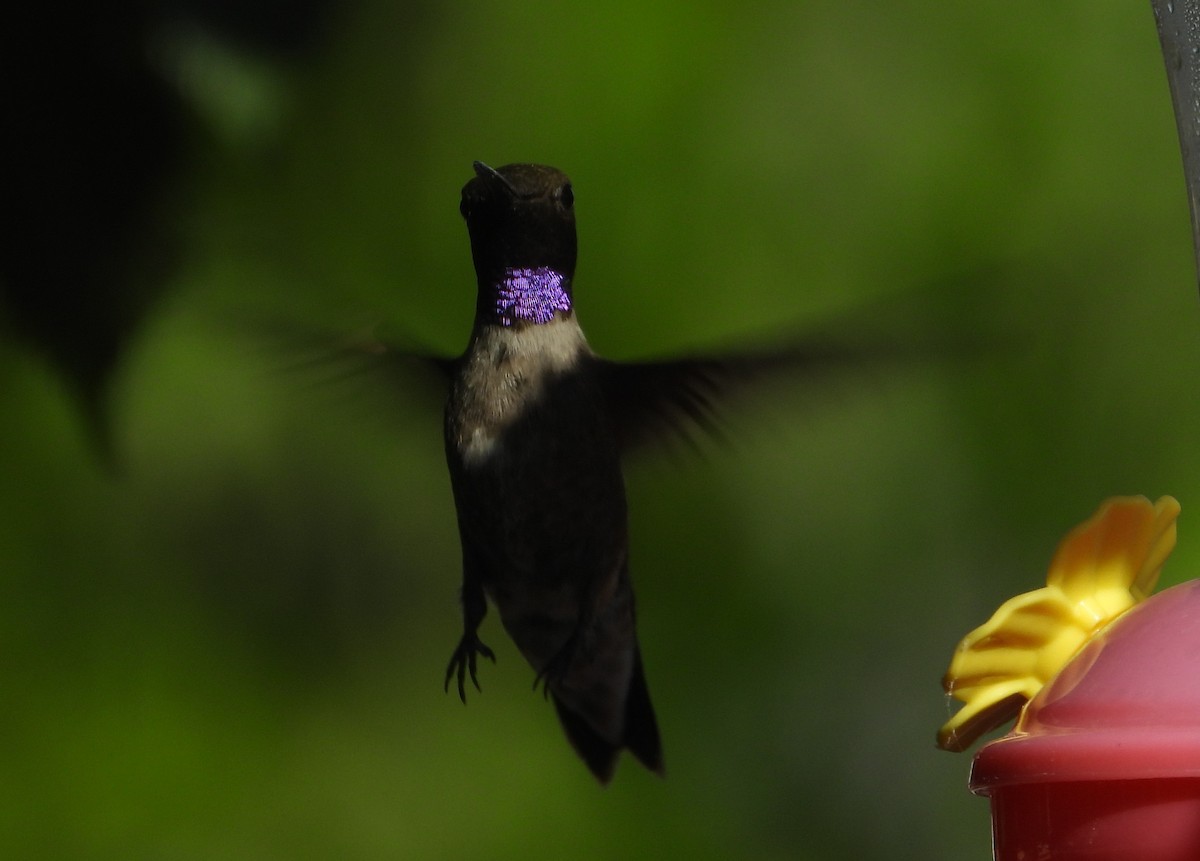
536,425
533,445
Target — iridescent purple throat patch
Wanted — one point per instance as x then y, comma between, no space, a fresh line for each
531,295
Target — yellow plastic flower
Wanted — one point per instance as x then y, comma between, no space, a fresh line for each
1102,568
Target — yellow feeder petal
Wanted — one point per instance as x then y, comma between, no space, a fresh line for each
1102,568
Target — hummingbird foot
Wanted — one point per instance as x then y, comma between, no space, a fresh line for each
557,666
463,661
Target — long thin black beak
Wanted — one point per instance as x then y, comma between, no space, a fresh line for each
491,174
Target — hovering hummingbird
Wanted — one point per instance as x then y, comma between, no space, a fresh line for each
533,432
535,427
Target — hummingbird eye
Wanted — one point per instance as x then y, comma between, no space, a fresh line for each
566,196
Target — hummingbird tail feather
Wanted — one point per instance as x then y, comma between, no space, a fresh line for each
599,754
641,727
639,735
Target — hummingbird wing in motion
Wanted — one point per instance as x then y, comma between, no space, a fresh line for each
649,401
653,401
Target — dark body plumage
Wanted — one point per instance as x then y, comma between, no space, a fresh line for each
533,446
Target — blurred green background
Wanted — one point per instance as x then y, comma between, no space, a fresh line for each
231,643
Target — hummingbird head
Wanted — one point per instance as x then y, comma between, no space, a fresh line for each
521,219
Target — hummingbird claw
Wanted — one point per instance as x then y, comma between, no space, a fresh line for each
463,661
556,667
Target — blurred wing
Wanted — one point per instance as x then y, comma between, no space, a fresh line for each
368,351
326,357
652,401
